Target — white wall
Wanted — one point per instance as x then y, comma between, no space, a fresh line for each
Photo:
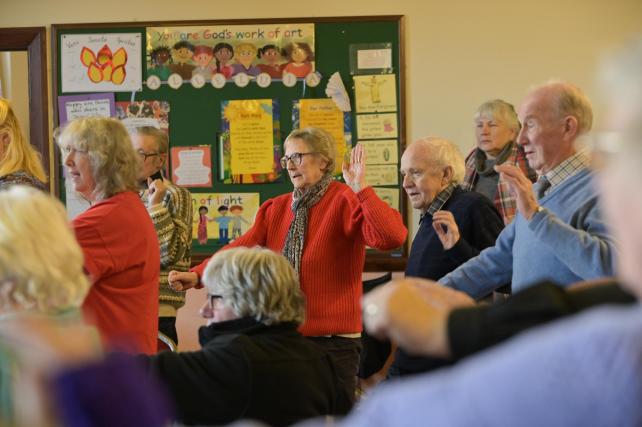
458,53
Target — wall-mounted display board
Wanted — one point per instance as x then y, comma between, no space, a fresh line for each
229,92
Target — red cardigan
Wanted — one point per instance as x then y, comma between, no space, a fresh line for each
340,226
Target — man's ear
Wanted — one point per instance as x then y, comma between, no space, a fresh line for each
448,175
571,127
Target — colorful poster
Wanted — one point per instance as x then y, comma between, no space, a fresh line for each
230,50
375,93
144,113
381,151
92,105
101,62
382,175
324,114
250,148
192,166
377,126
222,217
388,195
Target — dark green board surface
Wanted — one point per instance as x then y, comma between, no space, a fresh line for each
195,114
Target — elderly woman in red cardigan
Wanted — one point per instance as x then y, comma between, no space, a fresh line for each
323,228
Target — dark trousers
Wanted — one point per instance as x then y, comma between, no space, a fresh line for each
345,354
167,325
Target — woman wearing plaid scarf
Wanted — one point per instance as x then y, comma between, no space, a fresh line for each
496,127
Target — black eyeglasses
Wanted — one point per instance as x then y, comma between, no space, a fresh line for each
296,158
146,155
212,298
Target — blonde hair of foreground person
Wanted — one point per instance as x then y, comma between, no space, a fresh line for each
256,282
19,155
41,265
114,163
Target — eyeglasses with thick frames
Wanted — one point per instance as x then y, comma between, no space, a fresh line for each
146,155
296,158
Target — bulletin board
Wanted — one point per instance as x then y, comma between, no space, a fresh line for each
199,113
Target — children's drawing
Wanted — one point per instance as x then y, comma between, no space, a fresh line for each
224,52
245,55
300,56
182,53
101,62
160,57
271,57
203,57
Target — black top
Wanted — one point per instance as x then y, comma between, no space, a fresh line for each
473,329
249,370
479,225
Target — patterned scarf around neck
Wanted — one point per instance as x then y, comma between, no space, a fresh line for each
301,204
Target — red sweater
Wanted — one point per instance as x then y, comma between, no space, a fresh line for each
340,226
122,258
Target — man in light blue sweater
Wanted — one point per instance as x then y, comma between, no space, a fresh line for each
582,371
558,235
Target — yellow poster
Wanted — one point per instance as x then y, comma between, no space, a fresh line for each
324,114
251,135
375,93
377,126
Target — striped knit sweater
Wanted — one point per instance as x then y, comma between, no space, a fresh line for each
173,223
340,226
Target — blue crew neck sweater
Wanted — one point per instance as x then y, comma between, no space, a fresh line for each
566,242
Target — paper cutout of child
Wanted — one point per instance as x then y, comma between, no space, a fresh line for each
245,54
237,221
160,57
182,53
202,224
223,53
271,61
223,224
299,55
203,56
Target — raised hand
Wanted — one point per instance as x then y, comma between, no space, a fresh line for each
157,190
446,228
521,187
354,171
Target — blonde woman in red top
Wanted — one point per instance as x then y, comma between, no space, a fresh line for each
323,228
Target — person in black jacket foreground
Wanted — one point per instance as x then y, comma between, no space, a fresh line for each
426,318
253,363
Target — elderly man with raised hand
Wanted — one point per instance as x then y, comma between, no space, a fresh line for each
559,233
455,224
170,208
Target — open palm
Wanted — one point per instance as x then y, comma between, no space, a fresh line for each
354,171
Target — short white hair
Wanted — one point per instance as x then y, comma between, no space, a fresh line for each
41,264
256,282
441,153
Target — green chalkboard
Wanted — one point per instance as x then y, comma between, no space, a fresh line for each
195,116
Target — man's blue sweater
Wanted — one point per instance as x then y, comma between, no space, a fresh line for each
565,242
